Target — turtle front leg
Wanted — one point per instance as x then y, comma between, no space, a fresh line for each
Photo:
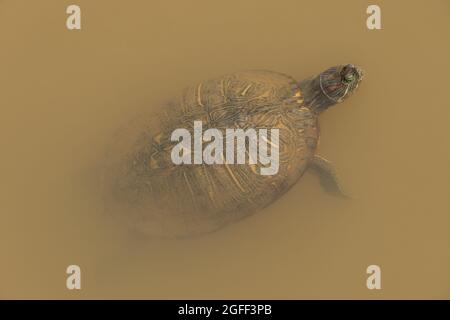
327,175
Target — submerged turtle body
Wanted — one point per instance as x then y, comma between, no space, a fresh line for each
145,185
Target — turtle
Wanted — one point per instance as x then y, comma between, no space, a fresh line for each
142,184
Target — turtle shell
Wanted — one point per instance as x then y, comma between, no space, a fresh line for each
145,187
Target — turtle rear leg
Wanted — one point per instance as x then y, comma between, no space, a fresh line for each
327,175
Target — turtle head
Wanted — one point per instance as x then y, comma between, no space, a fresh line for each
332,86
338,83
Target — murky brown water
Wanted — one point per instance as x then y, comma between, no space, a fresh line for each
63,94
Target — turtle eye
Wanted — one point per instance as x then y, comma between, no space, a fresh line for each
348,77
